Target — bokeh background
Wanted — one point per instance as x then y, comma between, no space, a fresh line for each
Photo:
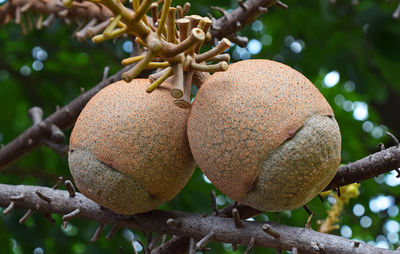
350,52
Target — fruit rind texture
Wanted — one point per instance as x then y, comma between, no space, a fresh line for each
240,117
299,169
129,150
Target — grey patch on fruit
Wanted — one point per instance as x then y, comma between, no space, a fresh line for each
107,186
299,169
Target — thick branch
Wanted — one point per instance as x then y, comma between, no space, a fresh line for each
368,167
237,19
77,10
62,118
191,225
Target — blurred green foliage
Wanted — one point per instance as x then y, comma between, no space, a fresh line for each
360,43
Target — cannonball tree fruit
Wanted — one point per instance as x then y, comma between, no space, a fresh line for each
264,135
129,150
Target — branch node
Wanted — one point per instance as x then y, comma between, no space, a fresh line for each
111,233
242,5
395,140
71,215
57,136
17,197
236,218
381,146
250,246
192,247
64,225
9,208
396,13
262,9
70,188
26,216
356,244
174,223
281,5
205,240
214,202
59,181
308,223
97,233
268,229
42,196
221,10
36,115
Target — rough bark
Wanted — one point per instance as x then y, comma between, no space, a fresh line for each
190,225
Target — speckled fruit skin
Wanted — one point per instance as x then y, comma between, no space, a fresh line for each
129,150
264,135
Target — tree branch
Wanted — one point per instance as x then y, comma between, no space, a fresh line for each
191,225
232,22
34,136
368,167
82,10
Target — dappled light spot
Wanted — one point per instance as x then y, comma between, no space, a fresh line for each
393,211
228,247
37,65
380,203
296,47
241,53
393,237
377,132
257,26
38,250
289,40
391,226
127,46
380,179
331,200
206,179
381,242
138,247
358,210
348,106
39,54
4,75
360,110
266,40
367,126
128,235
70,230
25,71
391,179
331,79
339,100
349,86
345,231
279,58
220,199
365,221
254,46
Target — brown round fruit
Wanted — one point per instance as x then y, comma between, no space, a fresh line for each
129,150
264,135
